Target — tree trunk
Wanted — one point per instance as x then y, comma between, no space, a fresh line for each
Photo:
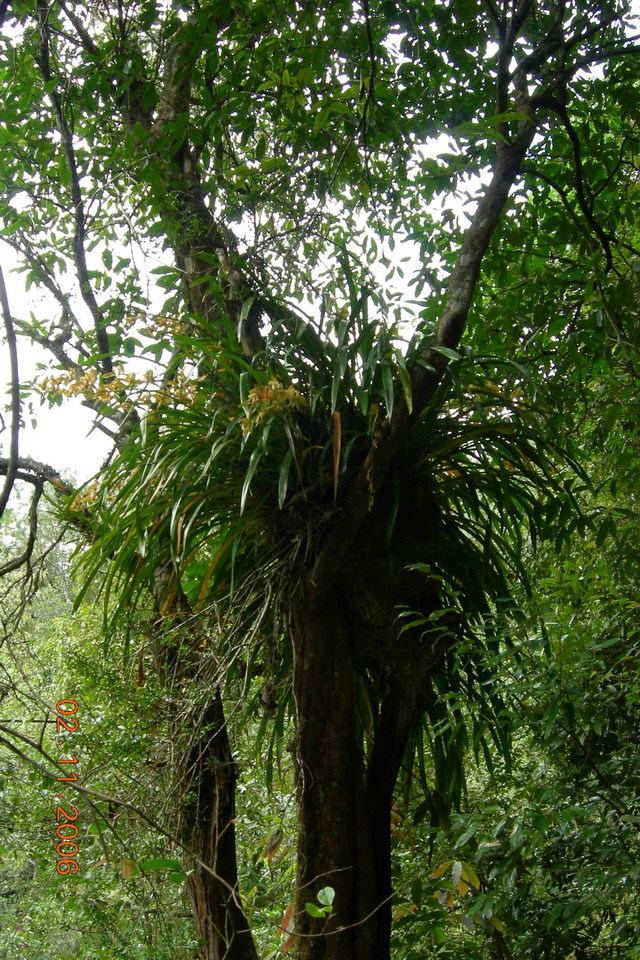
343,637
344,835
206,783
397,716
334,831
207,828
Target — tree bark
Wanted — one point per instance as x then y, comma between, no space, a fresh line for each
398,714
334,838
207,819
344,820
205,786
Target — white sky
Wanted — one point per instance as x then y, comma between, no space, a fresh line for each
61,437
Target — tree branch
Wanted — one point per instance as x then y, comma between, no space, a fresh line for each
430,365
27,553
79,254
16,406
85,37
32,471
540,175
493,13
23,246
428,369
37,474
581,185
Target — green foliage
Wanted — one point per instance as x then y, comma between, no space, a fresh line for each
176,176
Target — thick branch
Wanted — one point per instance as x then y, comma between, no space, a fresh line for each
428,369
31,471
199,234
507,35
427,372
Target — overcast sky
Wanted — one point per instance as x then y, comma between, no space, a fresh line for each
61,437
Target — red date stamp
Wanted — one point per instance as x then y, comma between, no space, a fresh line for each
67,831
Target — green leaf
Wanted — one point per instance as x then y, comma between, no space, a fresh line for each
326,896
246,307
335,106
469,875
438,935
446,352
283,477
388,388
315,911
405,381
254,460
471,830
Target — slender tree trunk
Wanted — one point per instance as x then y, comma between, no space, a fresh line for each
498,949
205,787
397,716
207,828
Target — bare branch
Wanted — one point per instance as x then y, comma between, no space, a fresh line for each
27,553
16,406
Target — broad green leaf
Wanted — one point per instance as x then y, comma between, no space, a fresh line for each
314,911
471,830
326,896
469,874
446,352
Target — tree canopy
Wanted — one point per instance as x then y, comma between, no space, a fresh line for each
352,290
